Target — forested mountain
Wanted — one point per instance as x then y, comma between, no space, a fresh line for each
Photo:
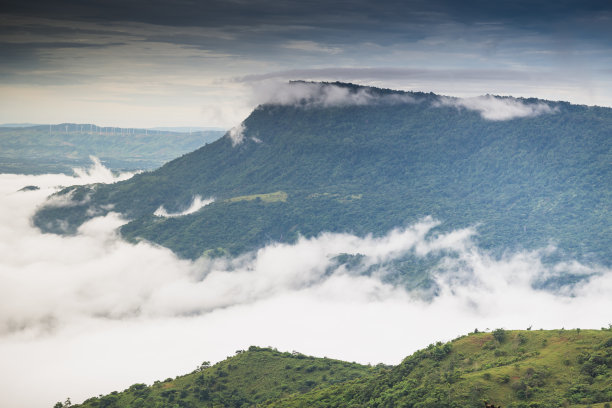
512,369
540,176
60,148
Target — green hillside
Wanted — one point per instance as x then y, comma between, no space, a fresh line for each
514,369
247,379
525,182
60,148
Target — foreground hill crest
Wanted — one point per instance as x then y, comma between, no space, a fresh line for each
514,369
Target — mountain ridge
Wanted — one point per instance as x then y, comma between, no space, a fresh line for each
351,165
61,147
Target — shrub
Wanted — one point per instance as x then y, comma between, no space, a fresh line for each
499,335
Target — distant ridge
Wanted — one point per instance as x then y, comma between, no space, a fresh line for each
19,124
186,129
58,148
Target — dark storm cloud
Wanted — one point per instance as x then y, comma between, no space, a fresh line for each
62,44
413,17
221,12
253,27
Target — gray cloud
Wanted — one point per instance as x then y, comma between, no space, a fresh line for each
394,73
360,12
91,302
77,56
265,28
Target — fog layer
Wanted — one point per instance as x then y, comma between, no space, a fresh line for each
90,313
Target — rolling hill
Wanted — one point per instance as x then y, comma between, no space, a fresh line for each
514,369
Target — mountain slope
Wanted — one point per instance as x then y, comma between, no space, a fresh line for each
369,167
509,368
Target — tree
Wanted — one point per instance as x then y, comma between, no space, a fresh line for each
204,365
499,335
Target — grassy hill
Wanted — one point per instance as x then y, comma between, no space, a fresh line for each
246,379
526,182
60,148
514,369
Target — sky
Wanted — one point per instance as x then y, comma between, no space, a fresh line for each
133,63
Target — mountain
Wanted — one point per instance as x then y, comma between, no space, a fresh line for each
59,148
514,369
344,158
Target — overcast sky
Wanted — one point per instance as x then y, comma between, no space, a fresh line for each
155,63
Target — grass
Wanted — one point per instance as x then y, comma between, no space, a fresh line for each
266,198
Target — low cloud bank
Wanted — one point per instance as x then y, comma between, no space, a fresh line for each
236,134
498,108
90,313
98,173
196,205
311,46
313,94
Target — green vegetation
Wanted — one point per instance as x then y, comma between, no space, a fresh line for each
249,378
557,368
525,369
60,148
367,169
